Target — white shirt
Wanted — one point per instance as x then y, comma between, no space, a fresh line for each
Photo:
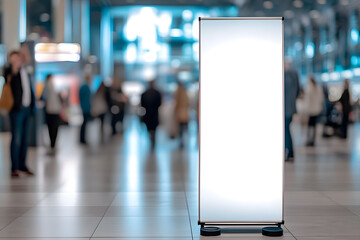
26,88
53,104
314,99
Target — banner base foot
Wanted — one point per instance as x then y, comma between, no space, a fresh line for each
272,231
210,231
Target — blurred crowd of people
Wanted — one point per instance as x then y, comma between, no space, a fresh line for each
316,107
107,103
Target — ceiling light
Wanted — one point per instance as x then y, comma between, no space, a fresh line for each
298,4
344,2
314,14
289,14
239,3
321,1
44,17
268,5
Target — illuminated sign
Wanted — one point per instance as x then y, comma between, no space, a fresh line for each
241,120
57,52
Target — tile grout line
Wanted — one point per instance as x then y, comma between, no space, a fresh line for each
186,200
187,207
22,215
338,204
103,216
290,232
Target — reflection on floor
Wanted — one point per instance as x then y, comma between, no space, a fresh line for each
122,190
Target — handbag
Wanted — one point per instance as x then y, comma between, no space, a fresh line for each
7,98
98,106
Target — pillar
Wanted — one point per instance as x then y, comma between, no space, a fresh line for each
13,24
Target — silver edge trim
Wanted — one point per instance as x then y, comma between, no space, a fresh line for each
240,18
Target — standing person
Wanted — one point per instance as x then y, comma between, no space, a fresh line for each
85,102
292,90
151,101
116,101
314,102
346,108
99,107
24,104
182,108
52,109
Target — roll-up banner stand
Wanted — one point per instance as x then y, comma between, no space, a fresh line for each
241,121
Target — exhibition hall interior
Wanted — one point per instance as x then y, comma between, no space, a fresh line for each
105,132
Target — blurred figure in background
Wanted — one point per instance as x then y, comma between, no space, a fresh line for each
151,101
99,107
24,105
116,100
85,102
182,108
53,108
292,91
314,103
346,108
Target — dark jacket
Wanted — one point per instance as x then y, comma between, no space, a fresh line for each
345,102
292,90
17,90
151,101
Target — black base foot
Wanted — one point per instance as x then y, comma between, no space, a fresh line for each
210,231
272,231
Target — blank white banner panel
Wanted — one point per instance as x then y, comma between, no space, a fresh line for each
241,120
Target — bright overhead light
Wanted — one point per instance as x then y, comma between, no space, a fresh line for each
268,5
57,52
347,74
298,4
325,77
44,17
289,14
344,2
321,1
314,14
187,15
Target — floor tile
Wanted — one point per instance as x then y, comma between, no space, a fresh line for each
331,210
20,199
144,211
307,198
149,199
51,227
322,226
142,227
67,211
13,211
344,197
78,199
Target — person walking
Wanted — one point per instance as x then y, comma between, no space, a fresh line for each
182,108
52,109
151,102
346,108
99,107
116,100
85,102
314,103
292,91
20,113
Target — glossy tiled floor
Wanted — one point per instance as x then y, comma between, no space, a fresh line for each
121,190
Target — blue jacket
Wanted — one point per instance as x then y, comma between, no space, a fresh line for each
85,98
